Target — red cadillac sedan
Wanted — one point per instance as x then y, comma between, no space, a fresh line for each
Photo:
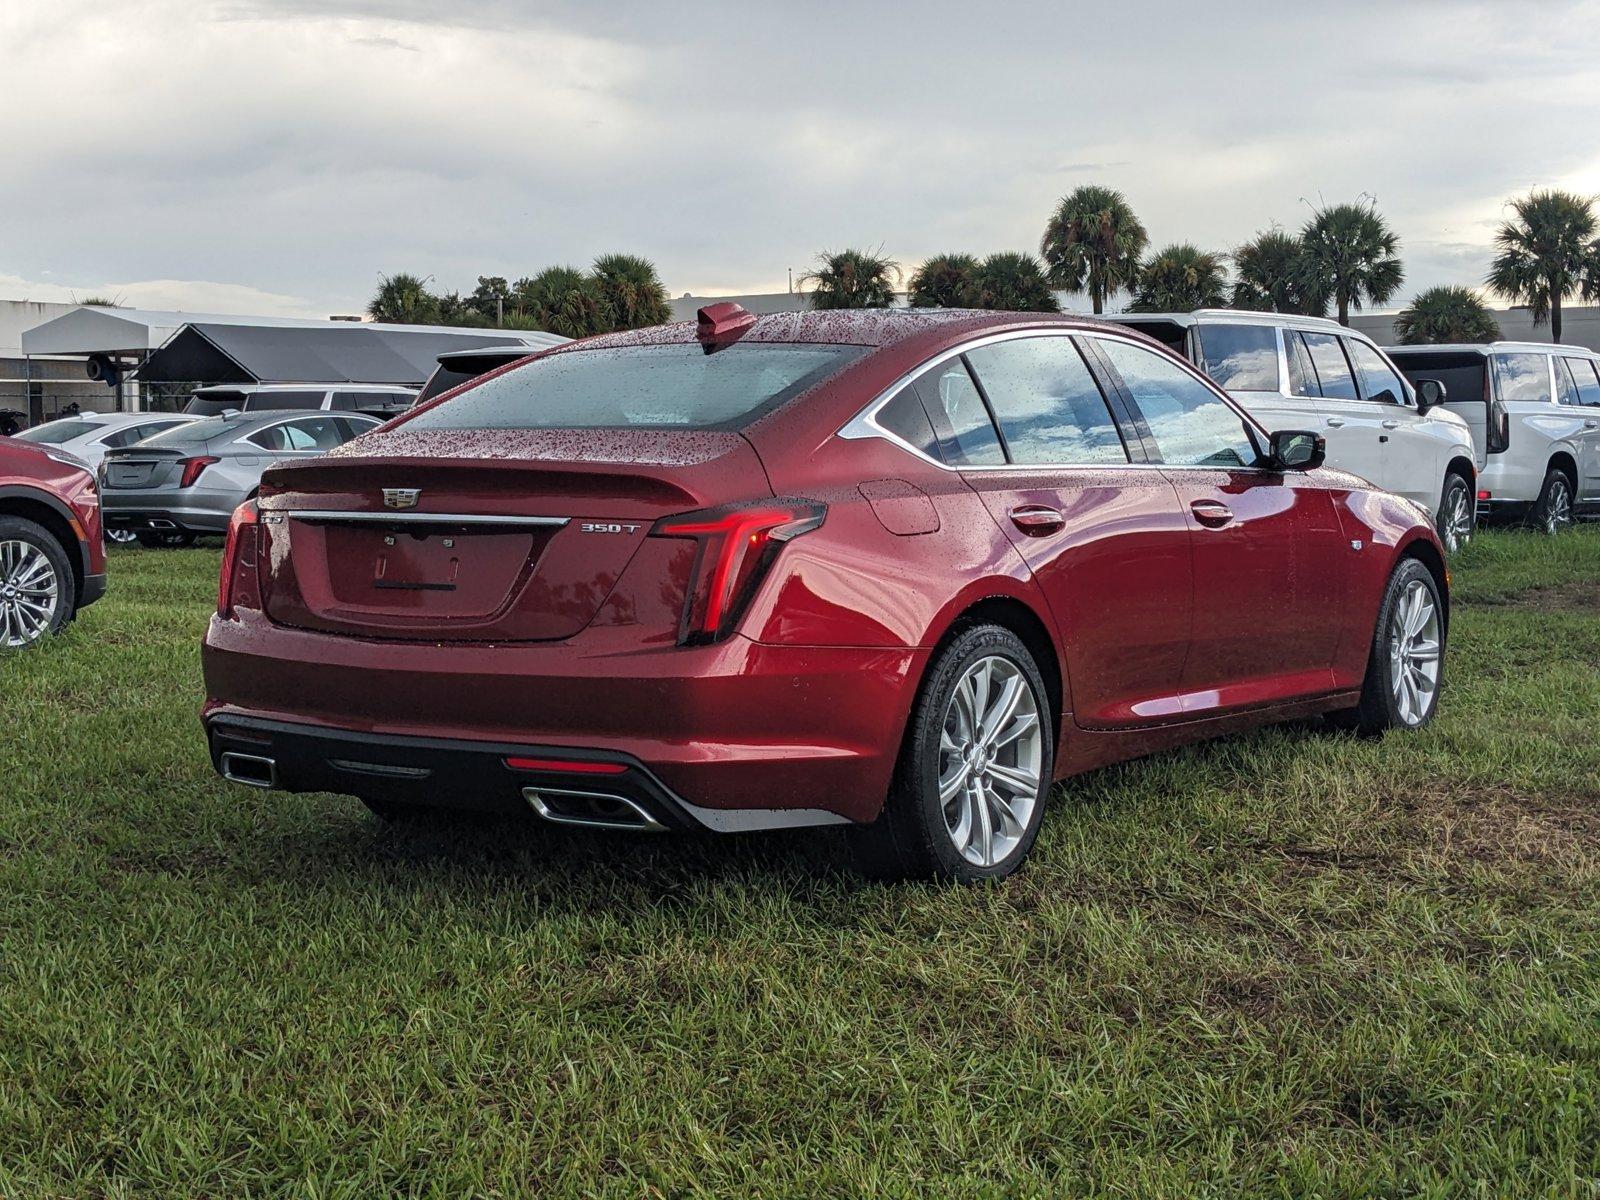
896,571
52,547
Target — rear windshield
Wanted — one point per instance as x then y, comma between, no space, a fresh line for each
1465,375
192,432
442,380
53,433
1240,358
214,404
677,386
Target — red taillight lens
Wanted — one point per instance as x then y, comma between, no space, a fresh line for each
192,468
569,766
738,544
241,529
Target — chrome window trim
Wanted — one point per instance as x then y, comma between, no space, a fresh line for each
413,518
865,425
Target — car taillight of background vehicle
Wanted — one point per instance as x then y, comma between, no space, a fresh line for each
192,468
241,542
737,546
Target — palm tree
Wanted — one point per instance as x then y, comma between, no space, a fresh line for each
405,300
1351,256
852,279
562,300
945,281
1270,275
1093,241
631,291
1178,278
1014,282
1546,254
1446,314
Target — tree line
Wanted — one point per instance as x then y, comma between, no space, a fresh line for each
1344,257
619,291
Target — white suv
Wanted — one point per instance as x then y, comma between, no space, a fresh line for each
1309,373
375,399
1534,410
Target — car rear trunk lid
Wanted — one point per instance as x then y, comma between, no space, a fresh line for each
480,535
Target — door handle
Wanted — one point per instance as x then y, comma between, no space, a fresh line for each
1336,422
1036,520
1591,424
1391,424
1213,514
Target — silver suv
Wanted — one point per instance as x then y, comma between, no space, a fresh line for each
1534,411
1295,372
380,399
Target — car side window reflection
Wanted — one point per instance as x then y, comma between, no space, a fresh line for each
1523,377
1302,375
1379,383
1333,368
1191,424
1048,404
960,418
1586,377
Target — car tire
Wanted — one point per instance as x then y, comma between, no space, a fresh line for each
1456,521
987,825
1405,665
1552,512
38,591
177,540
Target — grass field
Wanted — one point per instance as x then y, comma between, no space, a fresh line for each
1285,964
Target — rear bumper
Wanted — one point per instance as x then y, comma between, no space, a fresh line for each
727,737
166,511
94,587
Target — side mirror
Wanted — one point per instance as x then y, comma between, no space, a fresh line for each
1430,394
1298,450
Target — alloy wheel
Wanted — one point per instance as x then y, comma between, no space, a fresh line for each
1457,520
1558,506
122,537
30,593
1414,653
991,754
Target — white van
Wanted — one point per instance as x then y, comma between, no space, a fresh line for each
1296,372
1534,411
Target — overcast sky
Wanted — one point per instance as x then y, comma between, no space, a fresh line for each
277,156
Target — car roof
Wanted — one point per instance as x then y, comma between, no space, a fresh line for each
1235,316
1498,348
847,327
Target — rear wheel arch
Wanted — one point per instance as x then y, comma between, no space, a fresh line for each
1563,461
1013,614
1464,467
1424,552
53,517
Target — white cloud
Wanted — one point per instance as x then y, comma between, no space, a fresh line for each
299,148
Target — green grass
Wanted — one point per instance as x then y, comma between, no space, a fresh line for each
1287,964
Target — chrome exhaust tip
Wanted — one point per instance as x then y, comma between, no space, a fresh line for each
252,770
591,810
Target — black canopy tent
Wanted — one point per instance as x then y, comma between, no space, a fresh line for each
336,354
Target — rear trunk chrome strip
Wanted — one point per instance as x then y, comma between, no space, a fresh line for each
415,518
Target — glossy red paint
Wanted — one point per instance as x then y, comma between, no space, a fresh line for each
64,499
1172,603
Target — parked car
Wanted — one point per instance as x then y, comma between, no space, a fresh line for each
380,400
52,556
1534,412
171,488
1307,372
462,366
893,571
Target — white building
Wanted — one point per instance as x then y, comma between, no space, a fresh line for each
41,387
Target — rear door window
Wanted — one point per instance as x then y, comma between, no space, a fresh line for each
1522,377
1334,375
1302,375
1379,381
960,418
1047,403
1240,358
317,433
1586,378
1566,385
905,417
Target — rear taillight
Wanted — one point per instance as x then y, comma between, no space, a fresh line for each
239,548
737,546
192,468
1499,438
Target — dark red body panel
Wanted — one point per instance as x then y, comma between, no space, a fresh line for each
64,499
1162,628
